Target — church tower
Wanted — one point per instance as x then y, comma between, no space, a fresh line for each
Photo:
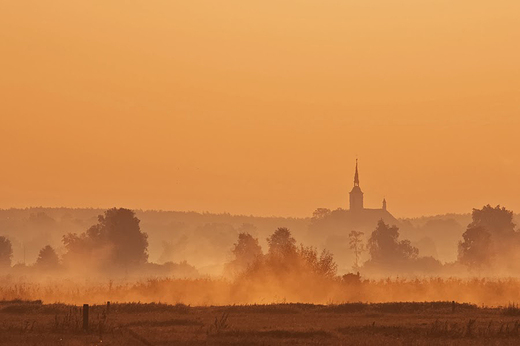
356,195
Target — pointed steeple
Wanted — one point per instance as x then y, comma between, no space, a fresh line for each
356,195
356,176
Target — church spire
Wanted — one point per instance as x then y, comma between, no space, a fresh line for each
356,176
356,195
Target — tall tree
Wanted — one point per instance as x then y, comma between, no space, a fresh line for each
246,251
476,250
320,213
281,243
384,245
48,258
489,238
6,252
497,221
357,246
322,265
117,235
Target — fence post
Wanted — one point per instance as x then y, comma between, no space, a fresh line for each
85,317
108,307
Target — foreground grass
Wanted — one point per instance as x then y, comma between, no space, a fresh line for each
426,323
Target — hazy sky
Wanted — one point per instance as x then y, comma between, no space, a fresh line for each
260,107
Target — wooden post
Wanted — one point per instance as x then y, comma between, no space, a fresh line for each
108,307
452,306
85,317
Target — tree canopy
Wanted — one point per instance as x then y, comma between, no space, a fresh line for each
48,258
281,243
490,238
384,245
6,252
116,240
246,252
476,250
496,220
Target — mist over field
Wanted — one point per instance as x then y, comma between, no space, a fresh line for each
69,255
205,240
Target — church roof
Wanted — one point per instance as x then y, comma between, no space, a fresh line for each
356,189
372,216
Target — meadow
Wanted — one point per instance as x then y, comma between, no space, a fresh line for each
422,323
216,312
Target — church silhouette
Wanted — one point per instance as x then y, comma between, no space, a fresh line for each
358,215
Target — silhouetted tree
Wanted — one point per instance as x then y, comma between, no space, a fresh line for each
384,245
321,213
476,251
489,237
246,250
117,235
356,245
6,252
326,265
323,265
281,243
498,221
285,261
48,258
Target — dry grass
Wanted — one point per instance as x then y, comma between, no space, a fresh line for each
424,323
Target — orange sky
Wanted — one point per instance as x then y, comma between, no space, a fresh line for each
260,107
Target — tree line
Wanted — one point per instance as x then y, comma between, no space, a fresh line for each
117,242
489,242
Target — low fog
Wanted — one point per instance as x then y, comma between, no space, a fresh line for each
69,255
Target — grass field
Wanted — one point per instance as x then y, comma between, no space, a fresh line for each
437,323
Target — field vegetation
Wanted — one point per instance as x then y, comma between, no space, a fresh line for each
427,323
202,292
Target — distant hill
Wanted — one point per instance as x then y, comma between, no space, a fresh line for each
205,239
